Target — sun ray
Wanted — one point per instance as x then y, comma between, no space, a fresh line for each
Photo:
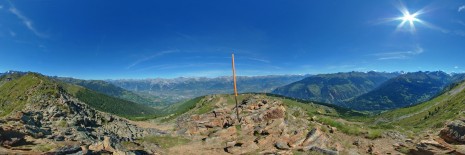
408,19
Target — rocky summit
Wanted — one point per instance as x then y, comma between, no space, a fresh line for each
265,127
64,125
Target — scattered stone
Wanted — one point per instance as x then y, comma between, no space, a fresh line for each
59,138
274,113
332,129
230,144
323,151
282,145
371,149
357,142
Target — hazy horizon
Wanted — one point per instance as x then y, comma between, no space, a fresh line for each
230,76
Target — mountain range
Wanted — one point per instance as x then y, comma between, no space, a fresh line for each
334,88
371,91
402,91
179,89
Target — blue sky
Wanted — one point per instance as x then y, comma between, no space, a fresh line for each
149,39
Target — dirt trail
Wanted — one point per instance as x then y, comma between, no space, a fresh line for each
153,125
195,148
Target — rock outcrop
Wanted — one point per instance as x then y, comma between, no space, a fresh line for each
265,127
454,132
65,120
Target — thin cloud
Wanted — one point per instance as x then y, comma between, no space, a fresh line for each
460,22
461,8
26,21
12,33
1,6
459,33
399,54
151,57
260,60
185,65
456,67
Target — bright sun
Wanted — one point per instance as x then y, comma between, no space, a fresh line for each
408,20
408,17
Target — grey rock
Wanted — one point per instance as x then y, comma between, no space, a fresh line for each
281,145
59,138
323,151
454,132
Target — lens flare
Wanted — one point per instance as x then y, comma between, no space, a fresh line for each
408,18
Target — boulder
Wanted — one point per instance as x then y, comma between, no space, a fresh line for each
454,132
281,145
107,144
430,147
323,151
274,113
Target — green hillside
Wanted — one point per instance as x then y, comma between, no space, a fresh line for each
17,91
334,88
404,90
428,115
114,91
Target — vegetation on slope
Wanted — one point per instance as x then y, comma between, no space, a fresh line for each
404,90
113,105
16,91
334,88
114,91
428,115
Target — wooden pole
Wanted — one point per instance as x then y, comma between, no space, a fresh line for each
235,88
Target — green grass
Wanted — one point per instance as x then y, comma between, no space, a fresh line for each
374,133
205,107
340,111
165,141
428,115
33,88
44,147
345,128
238,127
112,90
178,109
62,123
28,88
113,105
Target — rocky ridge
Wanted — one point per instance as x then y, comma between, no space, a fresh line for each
266,127
63,125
